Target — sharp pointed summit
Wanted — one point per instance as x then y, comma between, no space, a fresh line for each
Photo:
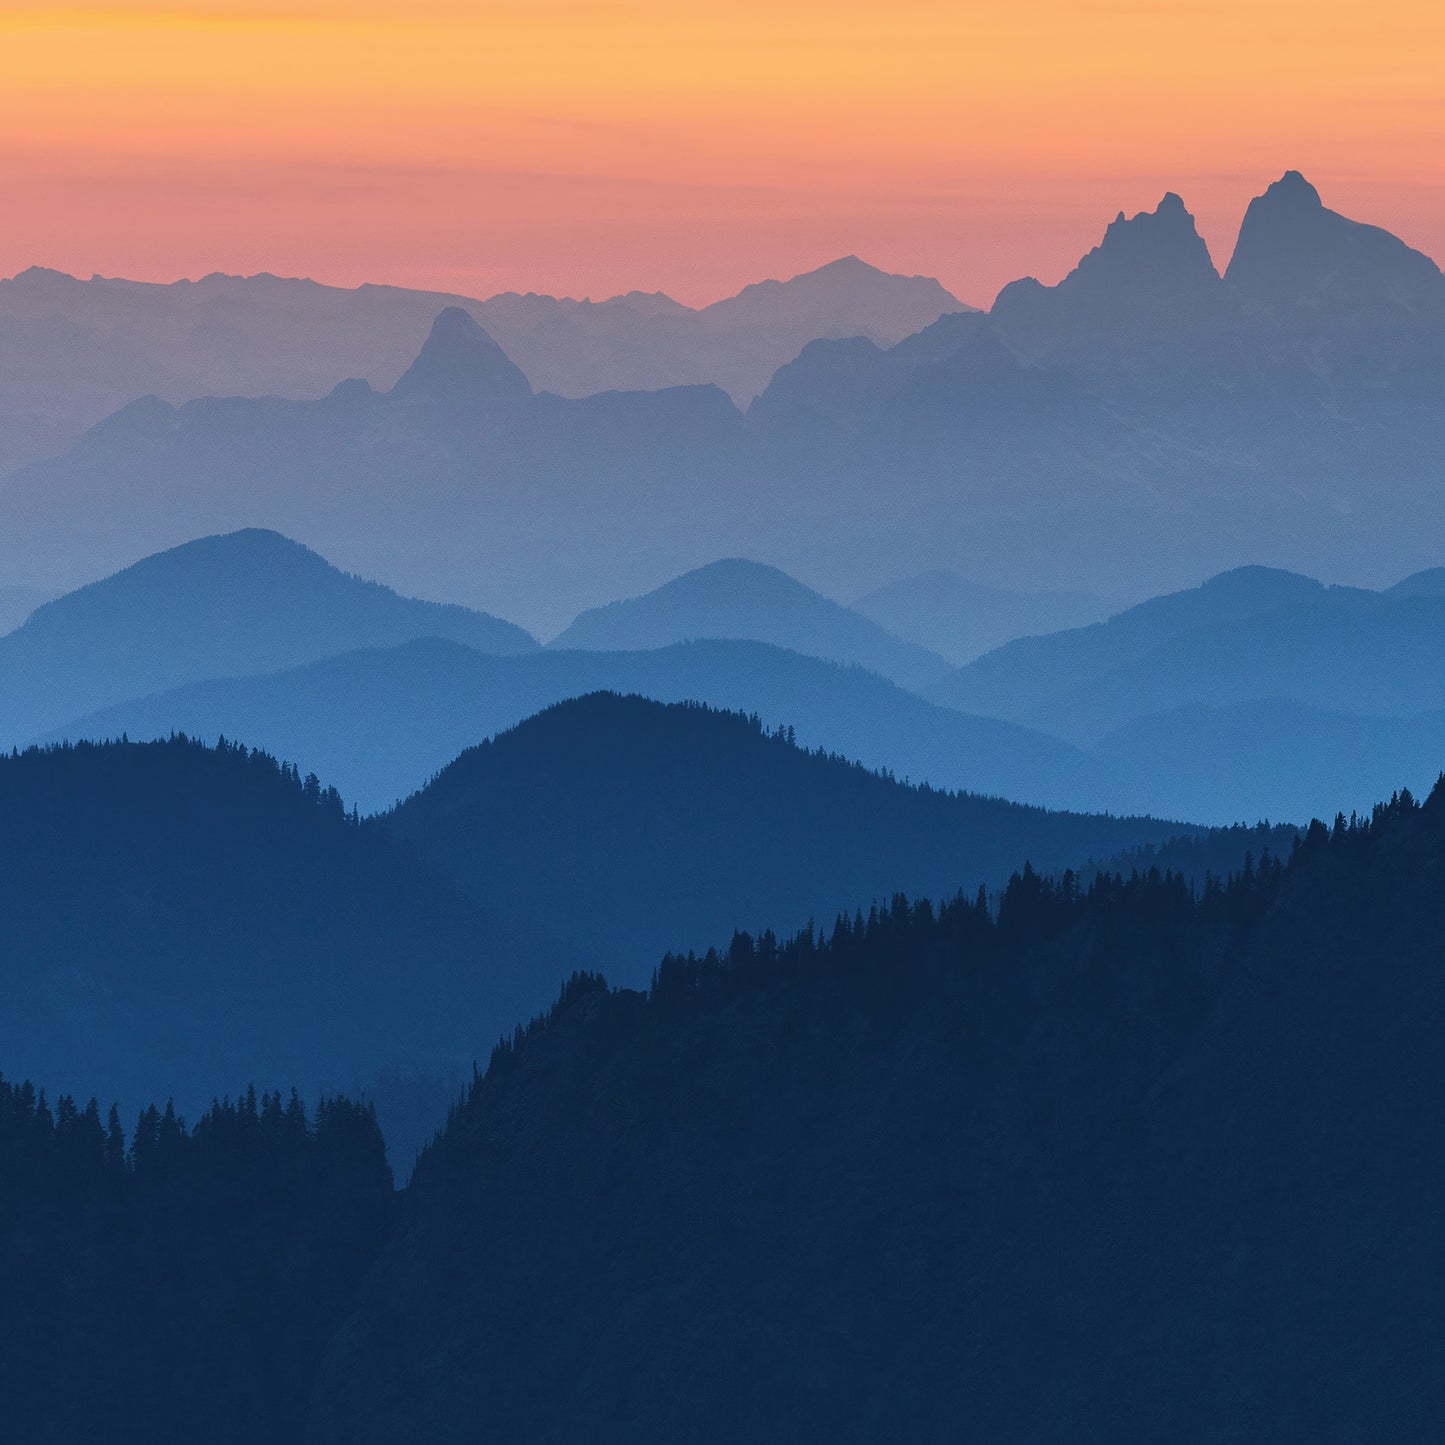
1150,275
461,366
1293,251
1155,256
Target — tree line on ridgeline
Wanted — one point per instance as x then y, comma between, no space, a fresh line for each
176,1283
1067,1155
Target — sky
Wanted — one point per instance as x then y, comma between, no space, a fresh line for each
588,147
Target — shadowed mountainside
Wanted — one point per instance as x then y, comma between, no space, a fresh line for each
180,919
628,828
1115,1164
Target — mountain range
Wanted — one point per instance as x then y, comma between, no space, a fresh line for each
76,350
709,820
381,721
736,598
217,607
180,917
1260,694
1245,635
1136,422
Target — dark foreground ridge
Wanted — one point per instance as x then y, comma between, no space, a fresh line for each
1125,1161
173,1285
1121,1163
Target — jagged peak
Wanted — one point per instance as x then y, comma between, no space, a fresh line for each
1293,188
1150,262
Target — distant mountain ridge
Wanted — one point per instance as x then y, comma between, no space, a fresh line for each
736,598
1144,418
381,721
1249,634
76,350
248,602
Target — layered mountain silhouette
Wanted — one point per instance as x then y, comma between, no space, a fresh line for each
709,820
736,598
77,350
243,603
1145,418
381,721
461,369
182,919
960,619
649,342
1330,692
1109,1164
1242,636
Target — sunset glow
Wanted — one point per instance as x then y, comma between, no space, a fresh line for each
592,146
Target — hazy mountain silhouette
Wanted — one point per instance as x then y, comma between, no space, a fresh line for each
401,483
1429,583
380,722
77,350
1150,278
627,828
244,603
1109,1164
1031,673
641,342
1144,418
736,598
1244,636
960,619
1294,255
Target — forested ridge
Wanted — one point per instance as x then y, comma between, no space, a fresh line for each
1124,1161
172,1284
180,916
711,822
1105,1154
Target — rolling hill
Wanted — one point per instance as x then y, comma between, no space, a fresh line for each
244,603
628,828
182,920
1244,636
380,722
735,598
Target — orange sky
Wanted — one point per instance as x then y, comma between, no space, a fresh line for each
592,146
